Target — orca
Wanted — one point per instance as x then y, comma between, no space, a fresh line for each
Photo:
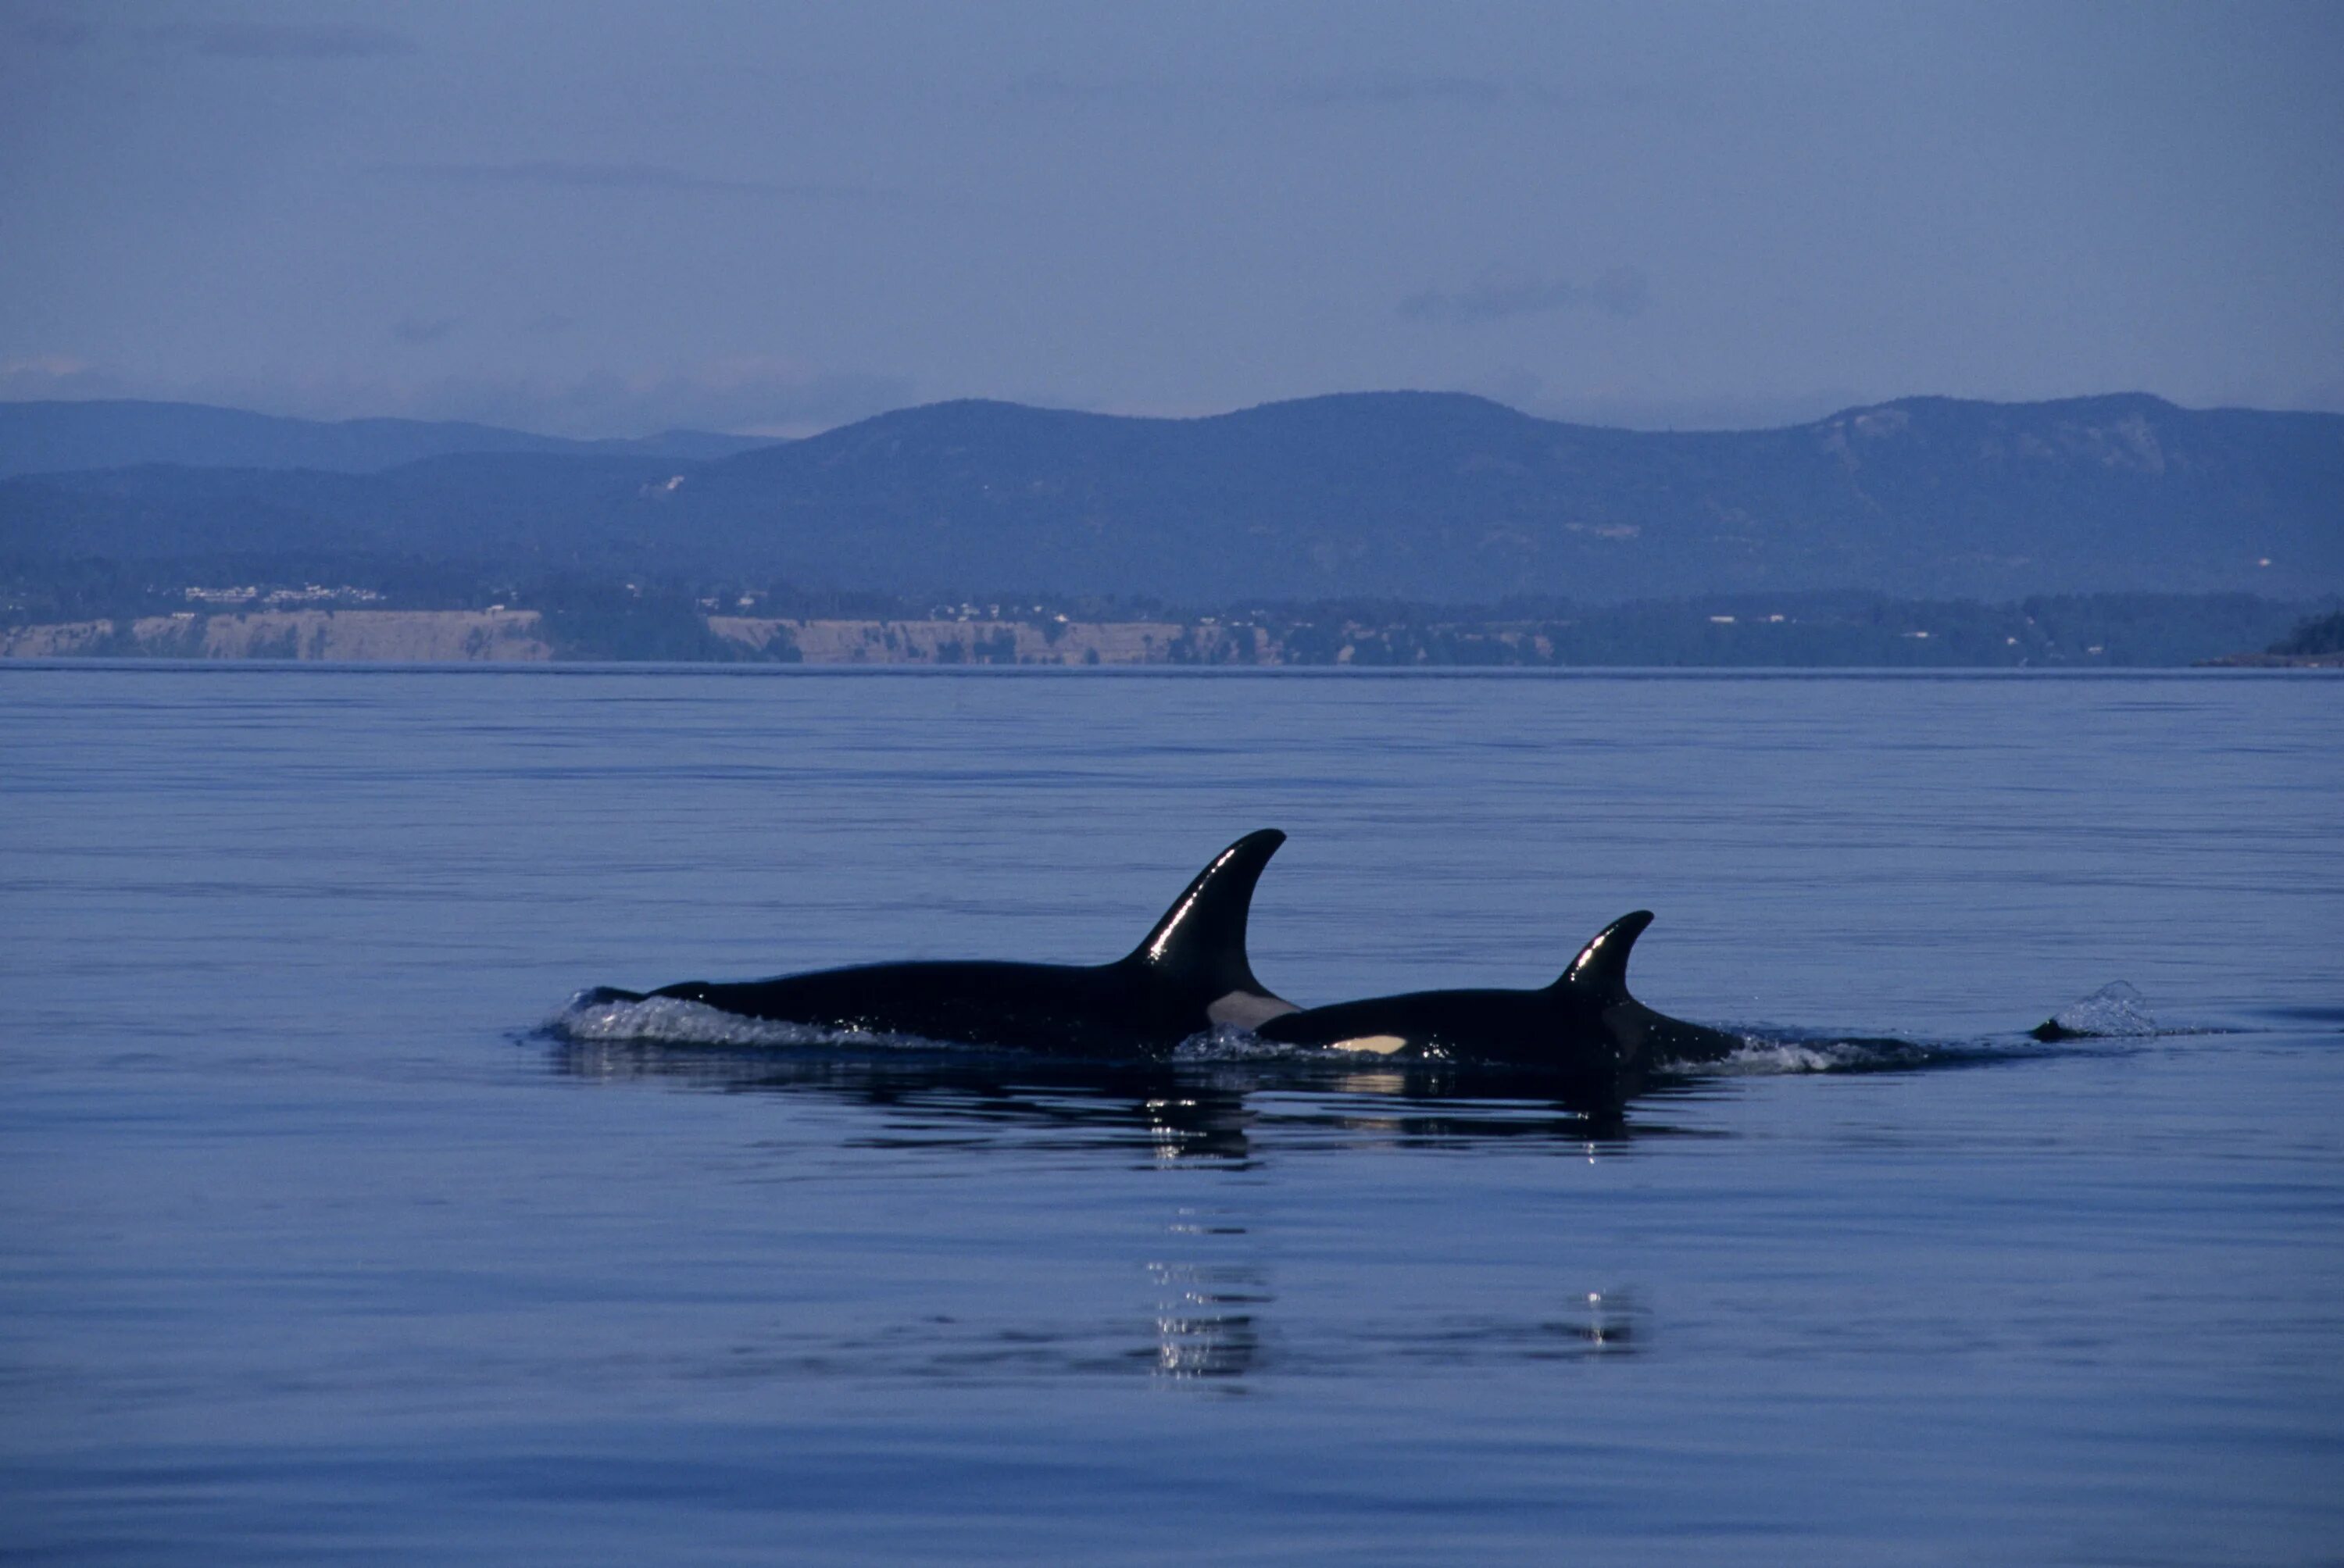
1187,977
1585,1028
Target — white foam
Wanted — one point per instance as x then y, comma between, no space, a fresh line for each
2115,1011
1229,1043
1763,1055
673,1021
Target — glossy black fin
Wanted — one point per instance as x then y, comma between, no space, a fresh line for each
1202,937
1601,967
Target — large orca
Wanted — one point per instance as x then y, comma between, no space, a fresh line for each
1585,1028
1188,975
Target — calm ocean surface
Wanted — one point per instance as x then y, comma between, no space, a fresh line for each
316,1245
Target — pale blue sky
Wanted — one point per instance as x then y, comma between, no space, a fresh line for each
605,219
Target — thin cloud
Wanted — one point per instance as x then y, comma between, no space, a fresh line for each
416,331
1621,291
38,378
1354,90
1050,89
1410,89
1497,295
284,40
558,173
56,32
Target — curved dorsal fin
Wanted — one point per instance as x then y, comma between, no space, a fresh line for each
1202,937
1601,967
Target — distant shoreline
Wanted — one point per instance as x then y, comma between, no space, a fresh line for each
504,636
523,636
2274,662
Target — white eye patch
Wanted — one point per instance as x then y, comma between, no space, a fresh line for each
1377,1045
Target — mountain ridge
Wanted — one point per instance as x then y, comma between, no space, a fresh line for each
1428,496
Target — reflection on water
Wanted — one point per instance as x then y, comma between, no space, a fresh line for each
1214,1328
1167,1111
1207,1315
1215,1324
1208,1320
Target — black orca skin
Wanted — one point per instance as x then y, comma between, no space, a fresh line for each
1189,975
1584,1028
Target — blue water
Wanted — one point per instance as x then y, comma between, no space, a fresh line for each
316,1245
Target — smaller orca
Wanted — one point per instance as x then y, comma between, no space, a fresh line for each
1585,1028
1189,975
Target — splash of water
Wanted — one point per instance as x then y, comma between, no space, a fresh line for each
1229,1043
673,1021
2115,1011
1763,1055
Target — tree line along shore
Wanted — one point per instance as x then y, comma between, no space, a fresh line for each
2107,631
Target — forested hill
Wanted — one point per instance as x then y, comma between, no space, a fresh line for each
1419,496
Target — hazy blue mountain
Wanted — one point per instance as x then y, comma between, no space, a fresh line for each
51,437
1428,497
1418,495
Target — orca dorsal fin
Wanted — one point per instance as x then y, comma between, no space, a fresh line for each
1601,967
1202,937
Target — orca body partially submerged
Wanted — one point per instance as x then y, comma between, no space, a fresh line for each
1190,975
1583,1029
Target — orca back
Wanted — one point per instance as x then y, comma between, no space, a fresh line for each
1584,1026
1188,975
